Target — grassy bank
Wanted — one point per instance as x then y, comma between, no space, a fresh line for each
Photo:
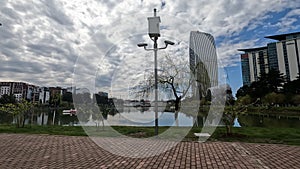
275,111
290,136
51,130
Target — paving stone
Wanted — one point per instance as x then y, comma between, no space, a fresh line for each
50,151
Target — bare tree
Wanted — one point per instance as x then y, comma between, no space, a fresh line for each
174,79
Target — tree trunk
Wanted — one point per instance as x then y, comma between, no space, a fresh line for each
195,120
177,104
176,118
228,130
31,121
102,124
42,119
177,108
23,121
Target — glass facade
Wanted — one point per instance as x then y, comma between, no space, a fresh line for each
266,59
286,61
203,62
261,61
297,55
245,69
272,56
254,66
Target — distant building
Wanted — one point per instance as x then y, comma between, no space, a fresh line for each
56,92
103,94
71,89
20,90
33,93
203,62
254,62
282,55
287,50
44,95
5,90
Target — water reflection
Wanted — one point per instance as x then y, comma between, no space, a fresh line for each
146,118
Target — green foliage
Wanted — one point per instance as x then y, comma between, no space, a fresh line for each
101,99
243,91
67,97
274,98
292,87
296,100
55,100
272,89
244,100
230,113
19,110
5,99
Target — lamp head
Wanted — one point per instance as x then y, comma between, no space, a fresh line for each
142,44
167,42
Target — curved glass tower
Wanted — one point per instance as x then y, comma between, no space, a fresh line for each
203,62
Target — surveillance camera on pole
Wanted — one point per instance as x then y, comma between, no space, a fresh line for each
153,31
167,42
153,26
142,44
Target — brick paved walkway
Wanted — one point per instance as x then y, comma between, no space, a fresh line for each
44,151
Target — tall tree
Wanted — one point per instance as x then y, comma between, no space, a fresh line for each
68,97
174,79
19,111
293,87
274,99
274,80
243,91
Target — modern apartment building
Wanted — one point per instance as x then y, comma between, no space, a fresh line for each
254,62
282,55
20,90
203,62
44,95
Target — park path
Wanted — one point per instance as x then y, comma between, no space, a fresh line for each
50,151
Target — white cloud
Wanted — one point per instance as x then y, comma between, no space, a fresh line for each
43,41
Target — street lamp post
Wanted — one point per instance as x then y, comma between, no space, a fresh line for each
154,34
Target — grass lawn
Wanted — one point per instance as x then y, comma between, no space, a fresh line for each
52,130
290,136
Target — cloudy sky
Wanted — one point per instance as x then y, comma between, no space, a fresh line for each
91,43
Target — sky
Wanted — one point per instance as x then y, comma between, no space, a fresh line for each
92,43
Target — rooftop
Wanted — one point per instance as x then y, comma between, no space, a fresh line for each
253,49
283,36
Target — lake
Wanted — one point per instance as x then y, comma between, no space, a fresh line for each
146,118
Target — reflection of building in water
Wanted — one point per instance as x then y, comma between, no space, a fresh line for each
203,62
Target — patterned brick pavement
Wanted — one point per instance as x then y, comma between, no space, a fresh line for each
45,151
